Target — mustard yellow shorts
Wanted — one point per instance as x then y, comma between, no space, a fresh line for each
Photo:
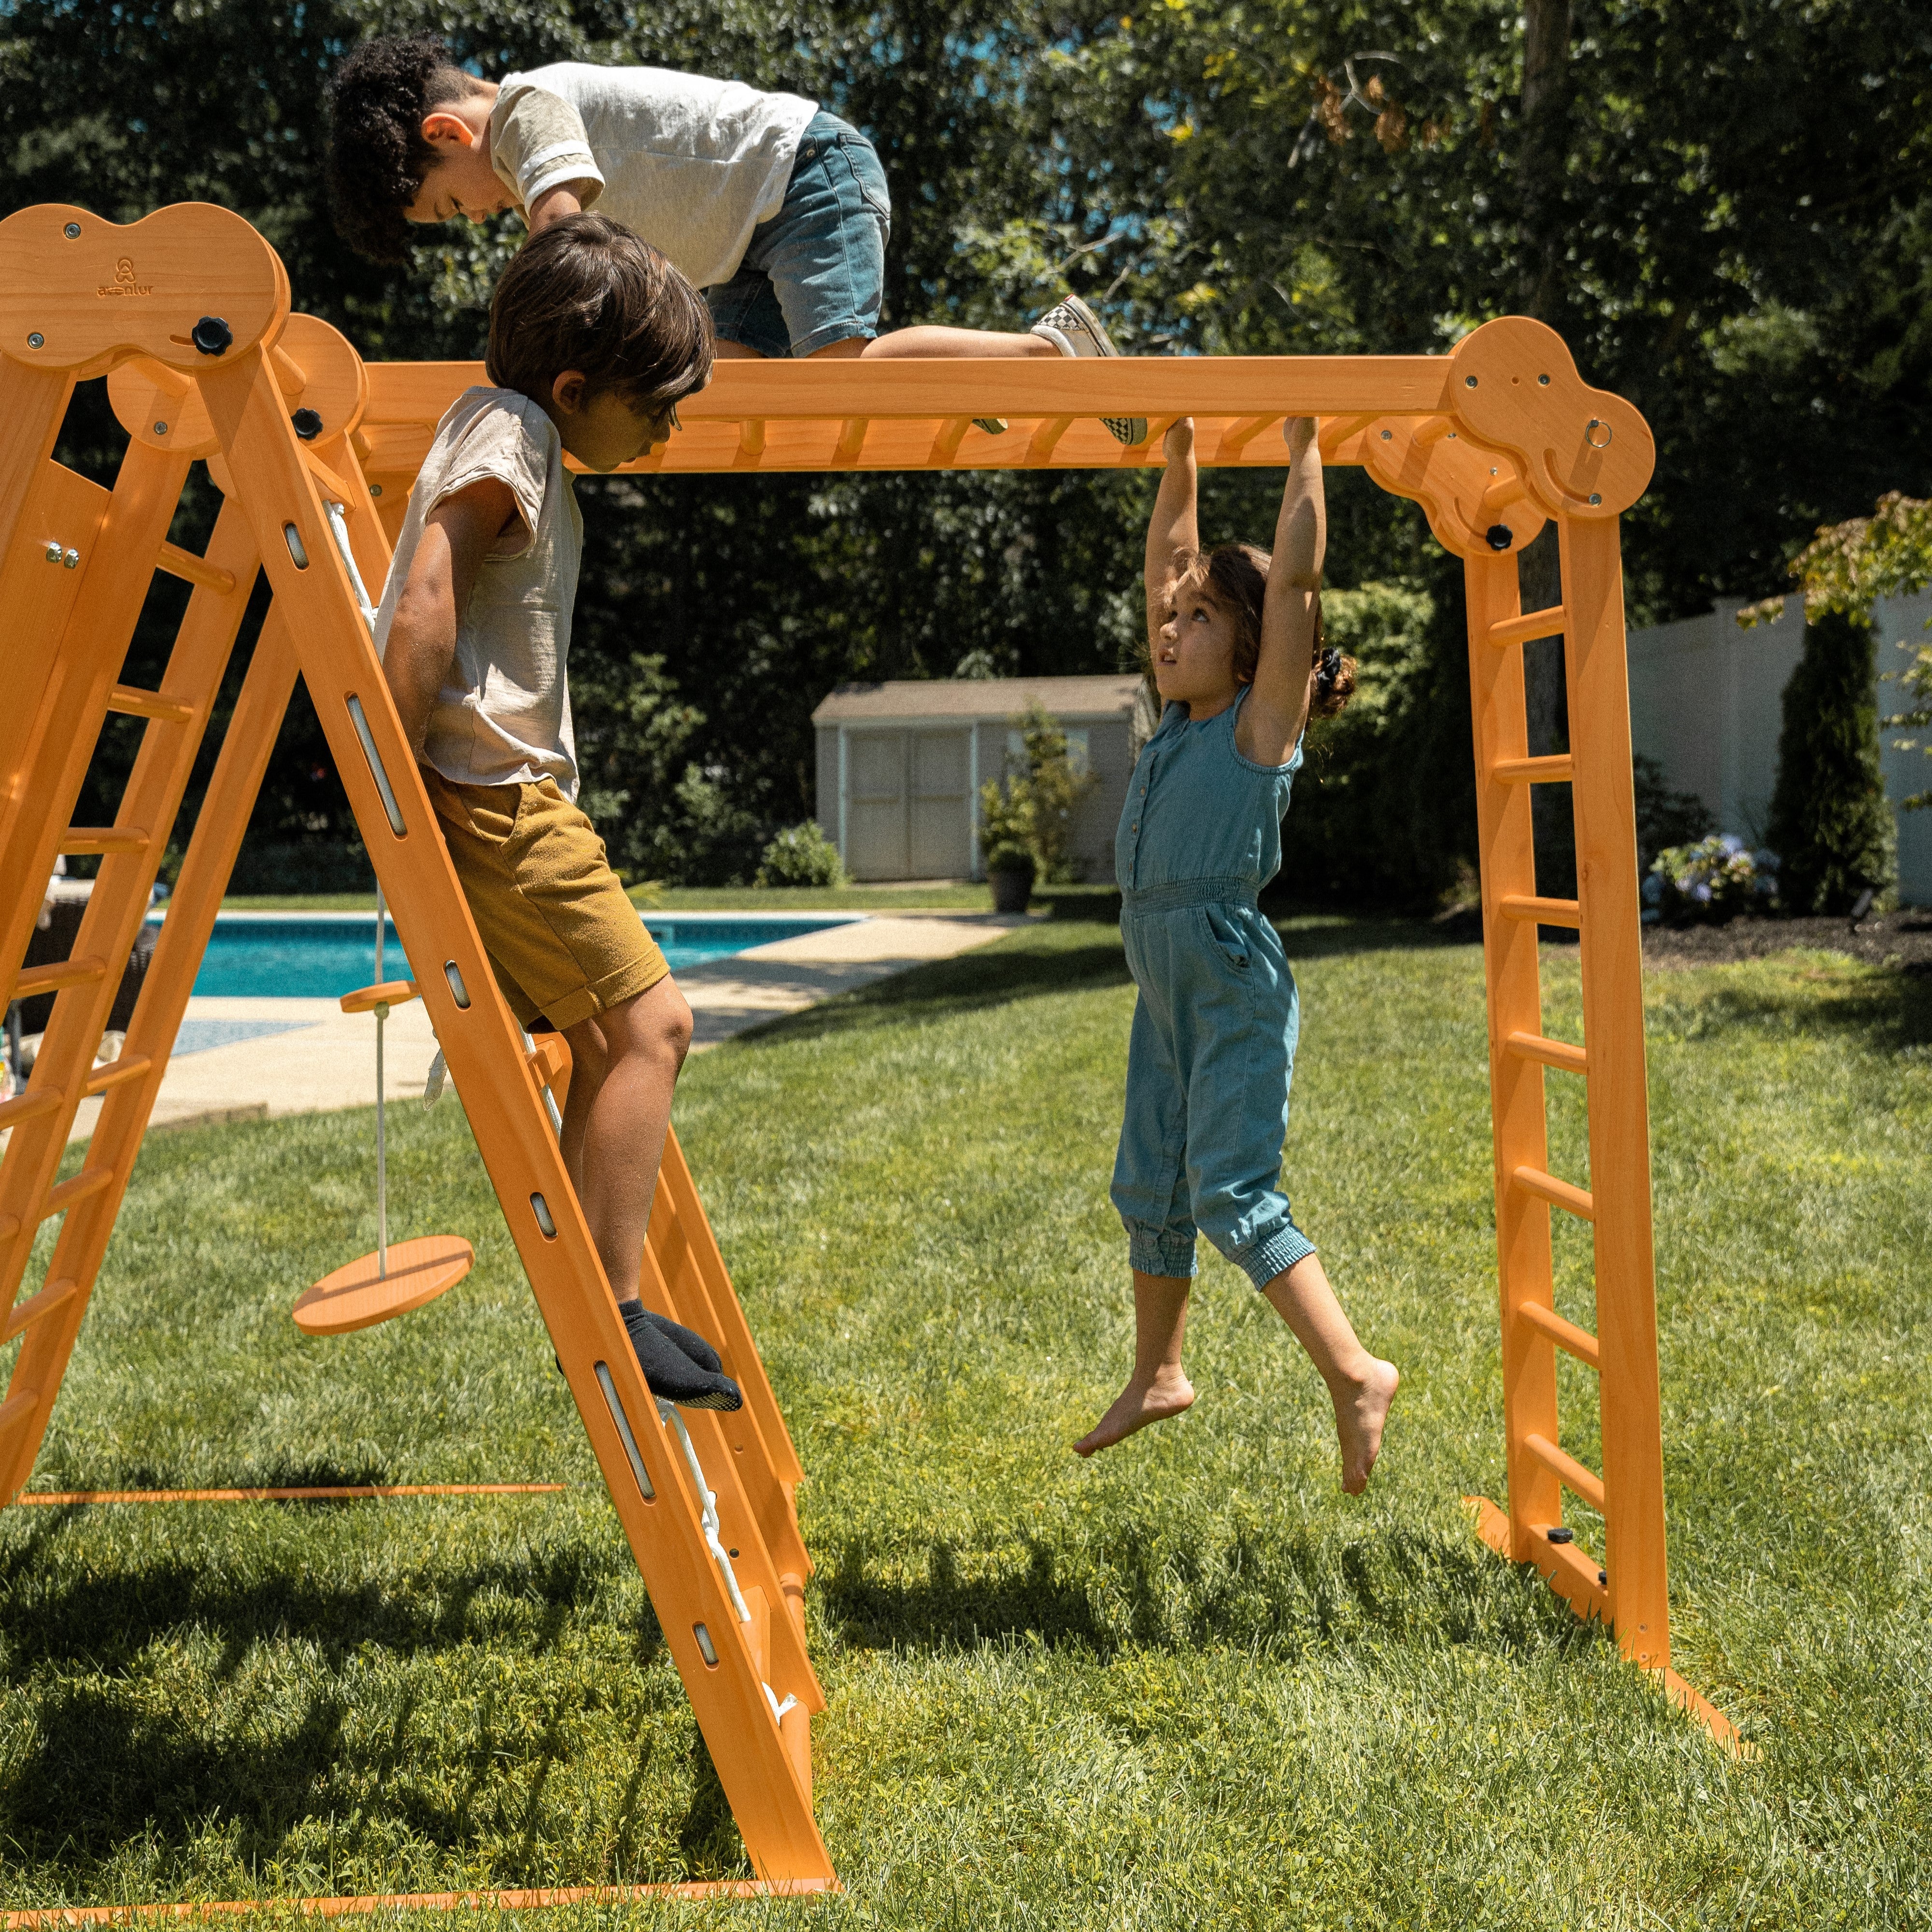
564,941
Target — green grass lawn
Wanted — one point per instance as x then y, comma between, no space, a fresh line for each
888,898
1190,1685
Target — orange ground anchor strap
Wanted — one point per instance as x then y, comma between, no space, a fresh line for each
341,1493
50,1916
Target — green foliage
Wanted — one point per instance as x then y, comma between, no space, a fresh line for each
1664,818
801,855
1055,785
1713,879
1006,824
1829,821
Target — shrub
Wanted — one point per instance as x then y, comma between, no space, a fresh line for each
802,856
1829,818
1055,785
1006,831
1714,879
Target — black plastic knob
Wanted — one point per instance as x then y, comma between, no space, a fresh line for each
1562,1536
1499,536
212,336
308,425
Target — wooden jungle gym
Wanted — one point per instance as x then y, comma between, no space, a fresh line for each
187,315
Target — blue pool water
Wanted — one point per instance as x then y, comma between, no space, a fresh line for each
322,956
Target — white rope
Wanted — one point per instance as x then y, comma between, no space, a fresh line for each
720,1554
338,524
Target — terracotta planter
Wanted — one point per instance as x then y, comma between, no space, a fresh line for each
1012,889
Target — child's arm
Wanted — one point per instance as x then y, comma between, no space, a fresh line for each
421,644
1277,708
1171,537
553,205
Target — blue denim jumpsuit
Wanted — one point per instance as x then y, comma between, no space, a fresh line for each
1212,1048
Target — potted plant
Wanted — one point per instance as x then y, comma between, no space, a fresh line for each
1006,809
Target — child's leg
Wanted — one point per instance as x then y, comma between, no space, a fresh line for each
616,1117
1157,1388
1360,1385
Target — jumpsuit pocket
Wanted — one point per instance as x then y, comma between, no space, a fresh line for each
1226,937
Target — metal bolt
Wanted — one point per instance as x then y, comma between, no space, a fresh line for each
1595,499
53,553
161,429
1468,381
72,231
375,489
71,558
37,340
1388,436
1543,381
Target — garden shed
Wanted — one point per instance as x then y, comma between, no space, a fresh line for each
900,763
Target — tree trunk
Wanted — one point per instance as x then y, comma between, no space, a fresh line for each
1546,84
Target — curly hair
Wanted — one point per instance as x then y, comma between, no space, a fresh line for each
589,294
1236,575
377,156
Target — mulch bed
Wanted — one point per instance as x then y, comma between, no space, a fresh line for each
1894,939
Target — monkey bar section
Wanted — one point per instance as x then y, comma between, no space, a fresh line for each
186,314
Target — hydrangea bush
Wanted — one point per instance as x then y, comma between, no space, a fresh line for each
1717,878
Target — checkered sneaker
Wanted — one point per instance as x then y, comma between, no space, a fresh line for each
1074,329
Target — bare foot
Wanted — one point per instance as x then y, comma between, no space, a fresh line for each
1168,1394
1360,1409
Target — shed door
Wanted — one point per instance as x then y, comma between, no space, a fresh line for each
941,806
875,805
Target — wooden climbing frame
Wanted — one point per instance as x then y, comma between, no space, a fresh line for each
186,314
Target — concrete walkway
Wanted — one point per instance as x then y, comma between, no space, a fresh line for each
255,1058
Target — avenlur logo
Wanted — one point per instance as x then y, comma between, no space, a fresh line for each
125,282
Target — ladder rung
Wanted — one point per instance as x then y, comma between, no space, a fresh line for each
946,444
116,1073
1236,436
195,570
1534,771
751,436
89,1181
1576,1341
55,1295
1045,437
1544,912
28,1107
16,1409
1567,1470
133,704
36,980
1547,623
97,841
331,483
1557,1053
1557,1193
852,438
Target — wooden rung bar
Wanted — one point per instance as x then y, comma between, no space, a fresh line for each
1045,437
1567,1470
61,972
1433,431
1557,1053
16,1409
55,1295
752,438
1557,1193
1534,624
1567,1337
97,841
1499,495
89,1181
1544,912
116,1073
332,485
852,438
952,434
28,1107
1337,431
390,993
1236,436
195,570
1557,770
130,702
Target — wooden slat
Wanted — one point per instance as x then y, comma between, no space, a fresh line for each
1559,1054
96,841
16,1409
55,1295
1567,1337
946,444
61,972
1567,1470
852,438
1557,770
28,1107
195,570
130,702
1557,1193
1545,623
1544,912
752,438
332,484
116,1073
89,1181
1044,438
1237,435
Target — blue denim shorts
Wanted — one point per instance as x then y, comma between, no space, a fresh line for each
815,272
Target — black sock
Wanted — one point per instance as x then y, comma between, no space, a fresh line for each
693,1344
670,1374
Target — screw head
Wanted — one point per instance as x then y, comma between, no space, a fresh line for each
375,489
1596,497
1388,436
161,429
37,340
1468,381
71,558
1543,381
72,231
53,553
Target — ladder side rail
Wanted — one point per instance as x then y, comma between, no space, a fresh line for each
1519,1123
33,406
733,1333
246,748
93,643
484,1051
57,528
1619,1121
119,903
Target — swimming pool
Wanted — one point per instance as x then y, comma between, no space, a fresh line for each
322,956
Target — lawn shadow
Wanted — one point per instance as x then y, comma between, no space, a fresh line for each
1888,1012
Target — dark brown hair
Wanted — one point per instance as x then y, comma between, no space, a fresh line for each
587,294
377,157
1235,575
